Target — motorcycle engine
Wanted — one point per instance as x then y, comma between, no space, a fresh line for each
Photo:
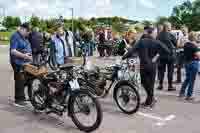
99,81
56,84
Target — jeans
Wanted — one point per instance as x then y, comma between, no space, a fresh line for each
88,49
191,72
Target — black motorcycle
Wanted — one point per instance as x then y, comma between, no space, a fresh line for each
58,92
96,80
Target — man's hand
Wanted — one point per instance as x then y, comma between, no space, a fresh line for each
155,58
21,55
28,57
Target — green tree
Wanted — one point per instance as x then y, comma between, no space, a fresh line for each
8,22
195,23
117,27
147,23
43,25
16,21
35,21
51,23
139,27
175,22
183,13
161,20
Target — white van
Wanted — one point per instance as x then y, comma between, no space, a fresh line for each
177,33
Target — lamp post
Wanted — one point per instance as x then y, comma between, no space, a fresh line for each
72,13
74,45
3,12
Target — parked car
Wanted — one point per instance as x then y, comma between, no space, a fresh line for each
2,28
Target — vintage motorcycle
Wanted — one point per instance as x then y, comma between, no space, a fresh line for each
100,81
58,92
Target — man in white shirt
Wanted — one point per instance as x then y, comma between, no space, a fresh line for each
70,39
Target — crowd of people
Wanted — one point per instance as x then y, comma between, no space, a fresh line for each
157,49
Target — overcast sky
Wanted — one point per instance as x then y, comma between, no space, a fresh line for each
132,9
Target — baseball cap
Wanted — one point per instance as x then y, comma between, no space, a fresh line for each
26,26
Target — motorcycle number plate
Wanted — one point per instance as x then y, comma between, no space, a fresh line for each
74,84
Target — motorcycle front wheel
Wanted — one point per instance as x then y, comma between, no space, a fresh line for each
85,111
127,98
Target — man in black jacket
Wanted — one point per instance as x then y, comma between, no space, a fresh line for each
148,50
167,59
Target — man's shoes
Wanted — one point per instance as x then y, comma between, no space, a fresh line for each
181,95
178,82
153,103
20,104
190,99
171,89
145,105
160,87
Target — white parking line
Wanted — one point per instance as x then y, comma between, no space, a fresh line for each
170,117
4,46
151,116
161,121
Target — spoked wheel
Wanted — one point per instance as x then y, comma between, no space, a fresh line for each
127,98
85,111
37,94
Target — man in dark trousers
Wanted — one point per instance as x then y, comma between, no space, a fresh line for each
20,54
101,47
166,59
148,50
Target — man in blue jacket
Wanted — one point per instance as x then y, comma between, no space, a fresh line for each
20,54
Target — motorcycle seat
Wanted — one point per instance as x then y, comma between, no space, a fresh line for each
66,67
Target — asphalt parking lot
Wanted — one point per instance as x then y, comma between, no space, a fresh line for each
169,115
